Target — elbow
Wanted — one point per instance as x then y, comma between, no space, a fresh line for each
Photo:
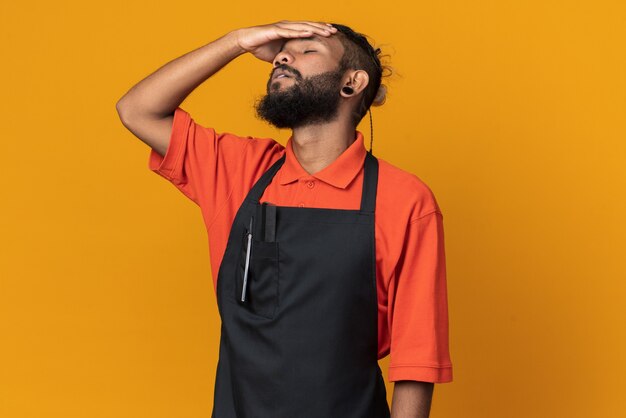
123,110
120,106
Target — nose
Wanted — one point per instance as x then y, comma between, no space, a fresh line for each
282,58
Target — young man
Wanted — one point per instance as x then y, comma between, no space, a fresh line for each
324,258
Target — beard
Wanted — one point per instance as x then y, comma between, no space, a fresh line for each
308,101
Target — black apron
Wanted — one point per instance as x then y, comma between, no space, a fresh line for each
298,304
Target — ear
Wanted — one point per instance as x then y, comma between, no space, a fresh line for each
358,80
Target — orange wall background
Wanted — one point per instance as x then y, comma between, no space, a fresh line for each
512,112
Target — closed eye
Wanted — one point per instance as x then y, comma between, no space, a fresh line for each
309,50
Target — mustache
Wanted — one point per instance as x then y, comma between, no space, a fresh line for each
288,69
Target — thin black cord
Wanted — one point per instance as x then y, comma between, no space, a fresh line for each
371,131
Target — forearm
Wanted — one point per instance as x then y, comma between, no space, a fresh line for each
411,399
165,89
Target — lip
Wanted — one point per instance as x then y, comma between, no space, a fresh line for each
280,74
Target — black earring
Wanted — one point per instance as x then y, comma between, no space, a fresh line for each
347,90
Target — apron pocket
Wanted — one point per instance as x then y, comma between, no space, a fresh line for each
261,293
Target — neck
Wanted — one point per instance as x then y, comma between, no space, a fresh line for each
317,146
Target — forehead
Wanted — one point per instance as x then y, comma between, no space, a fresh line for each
332,43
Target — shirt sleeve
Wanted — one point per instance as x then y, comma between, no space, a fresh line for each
419,308
201,163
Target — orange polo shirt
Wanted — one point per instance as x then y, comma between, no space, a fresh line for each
217,170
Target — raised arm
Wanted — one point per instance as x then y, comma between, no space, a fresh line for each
147,109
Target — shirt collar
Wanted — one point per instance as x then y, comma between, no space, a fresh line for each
339,173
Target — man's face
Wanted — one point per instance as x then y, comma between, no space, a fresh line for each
304,84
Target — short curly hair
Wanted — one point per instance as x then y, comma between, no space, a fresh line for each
359,54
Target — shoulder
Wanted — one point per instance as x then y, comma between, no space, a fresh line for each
248,161
261,152
260,145
404,194
184,124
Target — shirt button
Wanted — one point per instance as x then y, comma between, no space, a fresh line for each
311,184
301,204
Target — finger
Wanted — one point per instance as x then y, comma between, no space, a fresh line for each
321,25
291,33
301,26
305,27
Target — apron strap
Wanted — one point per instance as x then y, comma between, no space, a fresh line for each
370,183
